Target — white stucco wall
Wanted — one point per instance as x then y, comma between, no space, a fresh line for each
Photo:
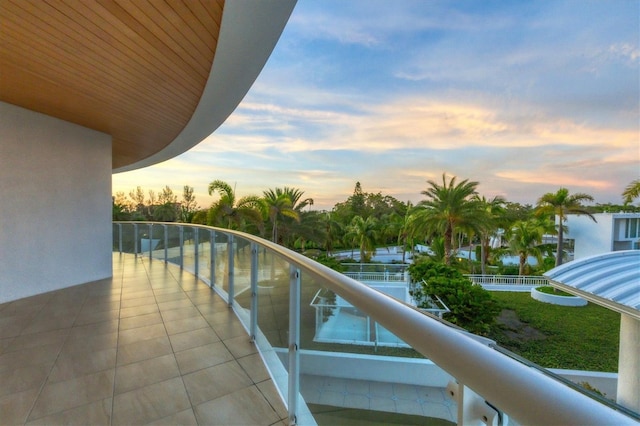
55,204
590,237
603,236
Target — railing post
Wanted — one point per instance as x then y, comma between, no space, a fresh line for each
166,243
181,232
150,238
294,342
135,239
254,291
231,272
474,409
195,251
212,259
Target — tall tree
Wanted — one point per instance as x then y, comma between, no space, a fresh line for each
560,204
492,211
631,192
278,203
524,239
365,234
231,212
448,207
188,206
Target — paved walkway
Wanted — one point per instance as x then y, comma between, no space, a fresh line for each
152,345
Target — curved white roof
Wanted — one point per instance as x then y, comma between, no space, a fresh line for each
611,280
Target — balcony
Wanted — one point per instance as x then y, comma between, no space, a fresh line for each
209,326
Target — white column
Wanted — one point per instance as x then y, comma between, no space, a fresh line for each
629,363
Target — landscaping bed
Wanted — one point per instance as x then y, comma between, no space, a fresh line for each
553,336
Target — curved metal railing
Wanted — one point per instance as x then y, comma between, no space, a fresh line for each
485,378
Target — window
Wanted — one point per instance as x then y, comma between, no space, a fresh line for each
632,228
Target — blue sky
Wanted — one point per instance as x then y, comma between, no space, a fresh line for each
523,97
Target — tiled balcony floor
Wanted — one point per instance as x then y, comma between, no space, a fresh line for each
151,345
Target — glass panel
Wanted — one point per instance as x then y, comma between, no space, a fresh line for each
189,249
242,269
115,229
204,254
173,245
157,242
222,261
349,361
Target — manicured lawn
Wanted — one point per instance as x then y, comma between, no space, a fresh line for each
584,338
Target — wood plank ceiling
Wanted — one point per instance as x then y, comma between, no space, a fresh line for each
132,69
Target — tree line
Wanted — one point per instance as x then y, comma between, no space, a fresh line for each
452,215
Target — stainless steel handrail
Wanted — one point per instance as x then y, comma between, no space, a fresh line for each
525,394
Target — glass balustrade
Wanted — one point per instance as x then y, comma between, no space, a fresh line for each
322,337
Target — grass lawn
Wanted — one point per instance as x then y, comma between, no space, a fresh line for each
582,338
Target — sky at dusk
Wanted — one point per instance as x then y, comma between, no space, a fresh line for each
523,97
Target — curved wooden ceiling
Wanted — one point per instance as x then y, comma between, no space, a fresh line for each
132,69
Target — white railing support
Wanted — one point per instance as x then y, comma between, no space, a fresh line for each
294,343
230,255
212,259
254,292
196,243
181,233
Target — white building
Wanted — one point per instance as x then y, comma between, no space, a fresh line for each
611,232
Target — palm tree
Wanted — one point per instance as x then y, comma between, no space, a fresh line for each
448,207
560,204
278,203
232,213
364,234
631,192
492,211
523,238
332,231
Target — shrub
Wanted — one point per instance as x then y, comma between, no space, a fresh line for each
471,306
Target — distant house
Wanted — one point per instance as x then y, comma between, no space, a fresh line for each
611,232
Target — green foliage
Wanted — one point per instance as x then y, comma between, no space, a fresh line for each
472,307
585,338
551,290
330,262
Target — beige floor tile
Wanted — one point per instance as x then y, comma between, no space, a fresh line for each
24,341
95,413
41,355
240,346
214,382
186,324
150,403
202,357
74,364
62,396
140,301
179,313
229,329
175,304
233,409
271,394
254,367
140,320
192,339
93,338
91,317
142,350
20,379
141,333
138,310
144,373
15,406
183,418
